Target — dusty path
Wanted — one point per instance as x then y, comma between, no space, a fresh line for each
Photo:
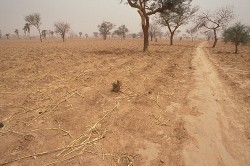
217,133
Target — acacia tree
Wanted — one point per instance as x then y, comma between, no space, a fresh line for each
147,8
215,21
34,20
154,29
173,20
237,34
105,29
121,31
0,34
17,33
80,34
62,28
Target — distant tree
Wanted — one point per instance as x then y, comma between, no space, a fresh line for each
173,20
140,34
216,20
209,34
105,29
7,35
147,8
154,29
121,31
191,32
34,20
17,33
237,34
86,35
26,29
134,35
51,33
95,34
44,34
62,28
80,34
0,34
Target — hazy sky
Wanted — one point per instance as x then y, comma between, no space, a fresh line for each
85,15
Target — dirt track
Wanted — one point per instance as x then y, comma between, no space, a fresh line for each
218,132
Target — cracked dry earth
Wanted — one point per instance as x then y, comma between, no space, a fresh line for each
175,106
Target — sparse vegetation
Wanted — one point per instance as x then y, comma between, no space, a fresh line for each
17,33
80,34
105,29
121,31
34,20
215,20
237,34
7,35
174,20
62,28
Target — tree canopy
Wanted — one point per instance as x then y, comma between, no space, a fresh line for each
34,20
237,34
105,28
62,28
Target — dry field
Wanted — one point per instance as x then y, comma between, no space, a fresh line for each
57,108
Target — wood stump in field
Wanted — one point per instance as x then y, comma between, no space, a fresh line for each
116,86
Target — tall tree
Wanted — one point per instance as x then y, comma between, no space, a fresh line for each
62,28
237,34
216,20
173,20
17,33
34,20
146,8
105,29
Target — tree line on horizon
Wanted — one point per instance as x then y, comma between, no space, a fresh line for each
164,13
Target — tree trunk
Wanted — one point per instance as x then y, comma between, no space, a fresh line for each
104,36
171,38
145,32
40,35
63,36
145,27
236,48
215,38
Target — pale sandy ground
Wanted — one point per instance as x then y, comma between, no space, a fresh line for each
219,132
185,104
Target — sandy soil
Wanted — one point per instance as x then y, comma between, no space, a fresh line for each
182,105
57,106
220,131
